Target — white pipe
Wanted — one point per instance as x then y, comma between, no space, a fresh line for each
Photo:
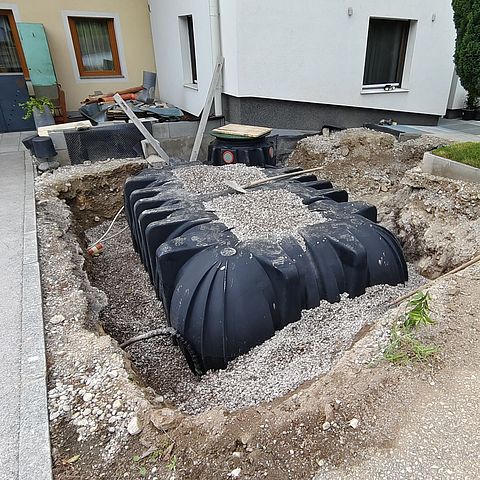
214,9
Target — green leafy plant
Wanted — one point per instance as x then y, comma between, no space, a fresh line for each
466,17
172,464
36,103
404,345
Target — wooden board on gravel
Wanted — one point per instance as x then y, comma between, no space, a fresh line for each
247,131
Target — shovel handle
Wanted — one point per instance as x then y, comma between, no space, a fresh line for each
280,177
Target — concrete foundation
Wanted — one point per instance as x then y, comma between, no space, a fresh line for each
310,116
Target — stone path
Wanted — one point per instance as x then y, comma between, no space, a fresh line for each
450,129
24,435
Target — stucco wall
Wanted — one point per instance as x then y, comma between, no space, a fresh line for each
309,51
168,52
314,51
133,37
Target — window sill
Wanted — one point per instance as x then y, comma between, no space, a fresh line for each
192,86
96,77
374,91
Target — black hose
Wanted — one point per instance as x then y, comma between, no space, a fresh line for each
194,362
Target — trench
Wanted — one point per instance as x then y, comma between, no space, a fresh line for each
159,364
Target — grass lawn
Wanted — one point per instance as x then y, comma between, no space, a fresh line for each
467,153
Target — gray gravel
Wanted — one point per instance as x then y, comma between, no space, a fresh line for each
264,214
300,352
203,179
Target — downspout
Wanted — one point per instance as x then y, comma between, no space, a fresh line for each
214,9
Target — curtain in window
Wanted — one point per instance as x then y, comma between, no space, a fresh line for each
385,51
9,61
95,45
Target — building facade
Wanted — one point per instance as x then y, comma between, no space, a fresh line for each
310,63
87,46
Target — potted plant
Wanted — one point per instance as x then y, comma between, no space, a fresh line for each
470,111
41,109
466,16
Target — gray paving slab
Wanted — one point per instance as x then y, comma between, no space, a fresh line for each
10,139
24,429
12,190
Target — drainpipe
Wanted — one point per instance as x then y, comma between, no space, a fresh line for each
214,9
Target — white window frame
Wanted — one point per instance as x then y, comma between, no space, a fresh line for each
118,36
185,51
397,87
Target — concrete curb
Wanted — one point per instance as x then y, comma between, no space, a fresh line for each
34,457
443,167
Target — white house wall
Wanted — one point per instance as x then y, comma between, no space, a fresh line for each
307,51
166,39
313,51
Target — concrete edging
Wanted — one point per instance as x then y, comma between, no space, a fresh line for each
443,167
34,457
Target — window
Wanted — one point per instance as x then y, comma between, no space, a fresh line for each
187,41
386,49
95,46
12,59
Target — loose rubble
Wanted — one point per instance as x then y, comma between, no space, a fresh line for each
203,179
264,214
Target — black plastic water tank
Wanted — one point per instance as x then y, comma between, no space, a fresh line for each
224,296
256,152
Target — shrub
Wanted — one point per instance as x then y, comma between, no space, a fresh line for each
467,47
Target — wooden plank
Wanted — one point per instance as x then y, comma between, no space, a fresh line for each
37,54
45,131
143,130
248,131
206,109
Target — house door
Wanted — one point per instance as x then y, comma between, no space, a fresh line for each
13,72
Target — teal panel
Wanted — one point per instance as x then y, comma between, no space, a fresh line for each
37,54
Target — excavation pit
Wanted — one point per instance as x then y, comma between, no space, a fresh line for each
280,393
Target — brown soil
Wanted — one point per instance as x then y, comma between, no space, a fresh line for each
287,438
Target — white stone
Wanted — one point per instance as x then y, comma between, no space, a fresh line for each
56,319
354,422
134,427
87,397
235,473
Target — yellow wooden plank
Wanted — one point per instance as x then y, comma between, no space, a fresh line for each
243,130
45,131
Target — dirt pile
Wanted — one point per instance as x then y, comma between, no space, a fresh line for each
436,219
364,162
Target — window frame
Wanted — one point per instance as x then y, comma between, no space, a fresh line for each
400,67
117,71
17,42
188,51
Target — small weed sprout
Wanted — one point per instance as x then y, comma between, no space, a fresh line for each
404,345
172,464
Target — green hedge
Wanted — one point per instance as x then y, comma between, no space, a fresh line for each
467,47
